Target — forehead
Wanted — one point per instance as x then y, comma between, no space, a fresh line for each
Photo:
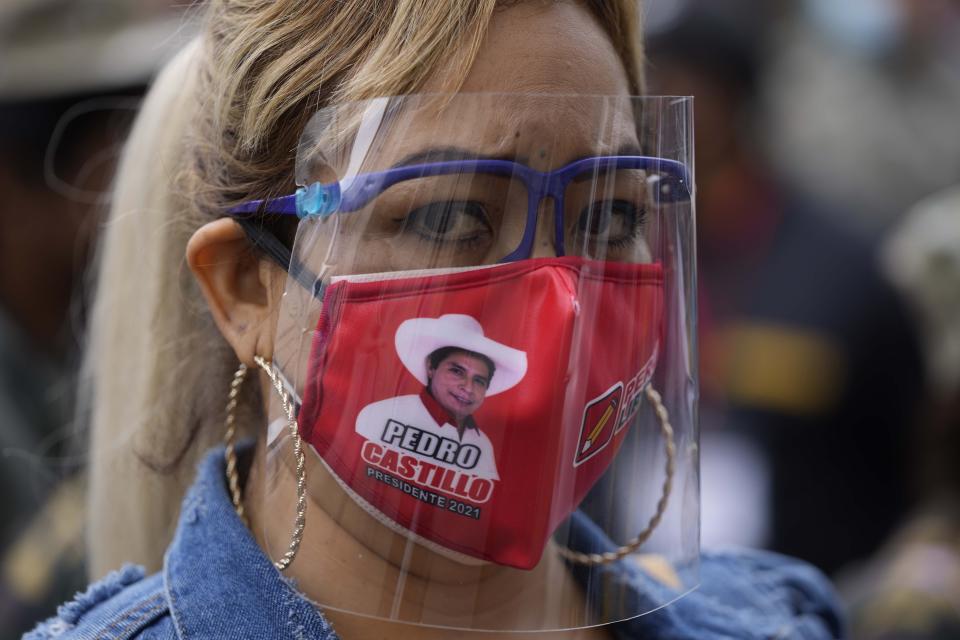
549,57
544,47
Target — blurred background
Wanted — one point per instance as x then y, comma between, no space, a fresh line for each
828,173
72,73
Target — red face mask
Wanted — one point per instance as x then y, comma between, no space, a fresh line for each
475,409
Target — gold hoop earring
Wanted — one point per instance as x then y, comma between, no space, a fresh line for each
670,448
230,455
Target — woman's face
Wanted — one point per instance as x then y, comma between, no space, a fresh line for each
459,383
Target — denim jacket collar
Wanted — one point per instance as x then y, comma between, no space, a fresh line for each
217,577
216,574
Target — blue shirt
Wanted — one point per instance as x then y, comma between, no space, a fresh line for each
217,583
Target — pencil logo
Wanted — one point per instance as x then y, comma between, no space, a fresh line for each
597,426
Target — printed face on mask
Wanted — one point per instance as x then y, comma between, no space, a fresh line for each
458,380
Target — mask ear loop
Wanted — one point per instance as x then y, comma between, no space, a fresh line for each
230,455
670,448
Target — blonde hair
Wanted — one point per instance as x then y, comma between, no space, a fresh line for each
218,127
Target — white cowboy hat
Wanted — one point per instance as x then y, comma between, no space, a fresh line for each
417,338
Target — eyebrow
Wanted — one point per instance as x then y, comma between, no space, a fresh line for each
486,379
446,154
450,153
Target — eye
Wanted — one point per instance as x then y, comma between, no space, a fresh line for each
449,221
609,220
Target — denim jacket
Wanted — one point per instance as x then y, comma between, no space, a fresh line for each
217,583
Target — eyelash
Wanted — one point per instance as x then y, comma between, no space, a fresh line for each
639,221
466,243
474,241
634,233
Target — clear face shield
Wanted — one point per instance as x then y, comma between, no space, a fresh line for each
487,338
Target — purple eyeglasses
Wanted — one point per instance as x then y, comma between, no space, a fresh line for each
669,180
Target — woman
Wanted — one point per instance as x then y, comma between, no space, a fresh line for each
412,207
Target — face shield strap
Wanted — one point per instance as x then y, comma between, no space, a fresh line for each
265,240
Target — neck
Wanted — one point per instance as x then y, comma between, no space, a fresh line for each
350,562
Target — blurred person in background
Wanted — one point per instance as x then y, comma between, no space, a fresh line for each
911,589
863,96
58,63
810,373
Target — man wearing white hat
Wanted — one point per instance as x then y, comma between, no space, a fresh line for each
459,367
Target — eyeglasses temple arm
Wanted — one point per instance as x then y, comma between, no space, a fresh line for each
284,205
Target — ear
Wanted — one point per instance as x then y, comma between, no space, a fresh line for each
430,369
242,289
